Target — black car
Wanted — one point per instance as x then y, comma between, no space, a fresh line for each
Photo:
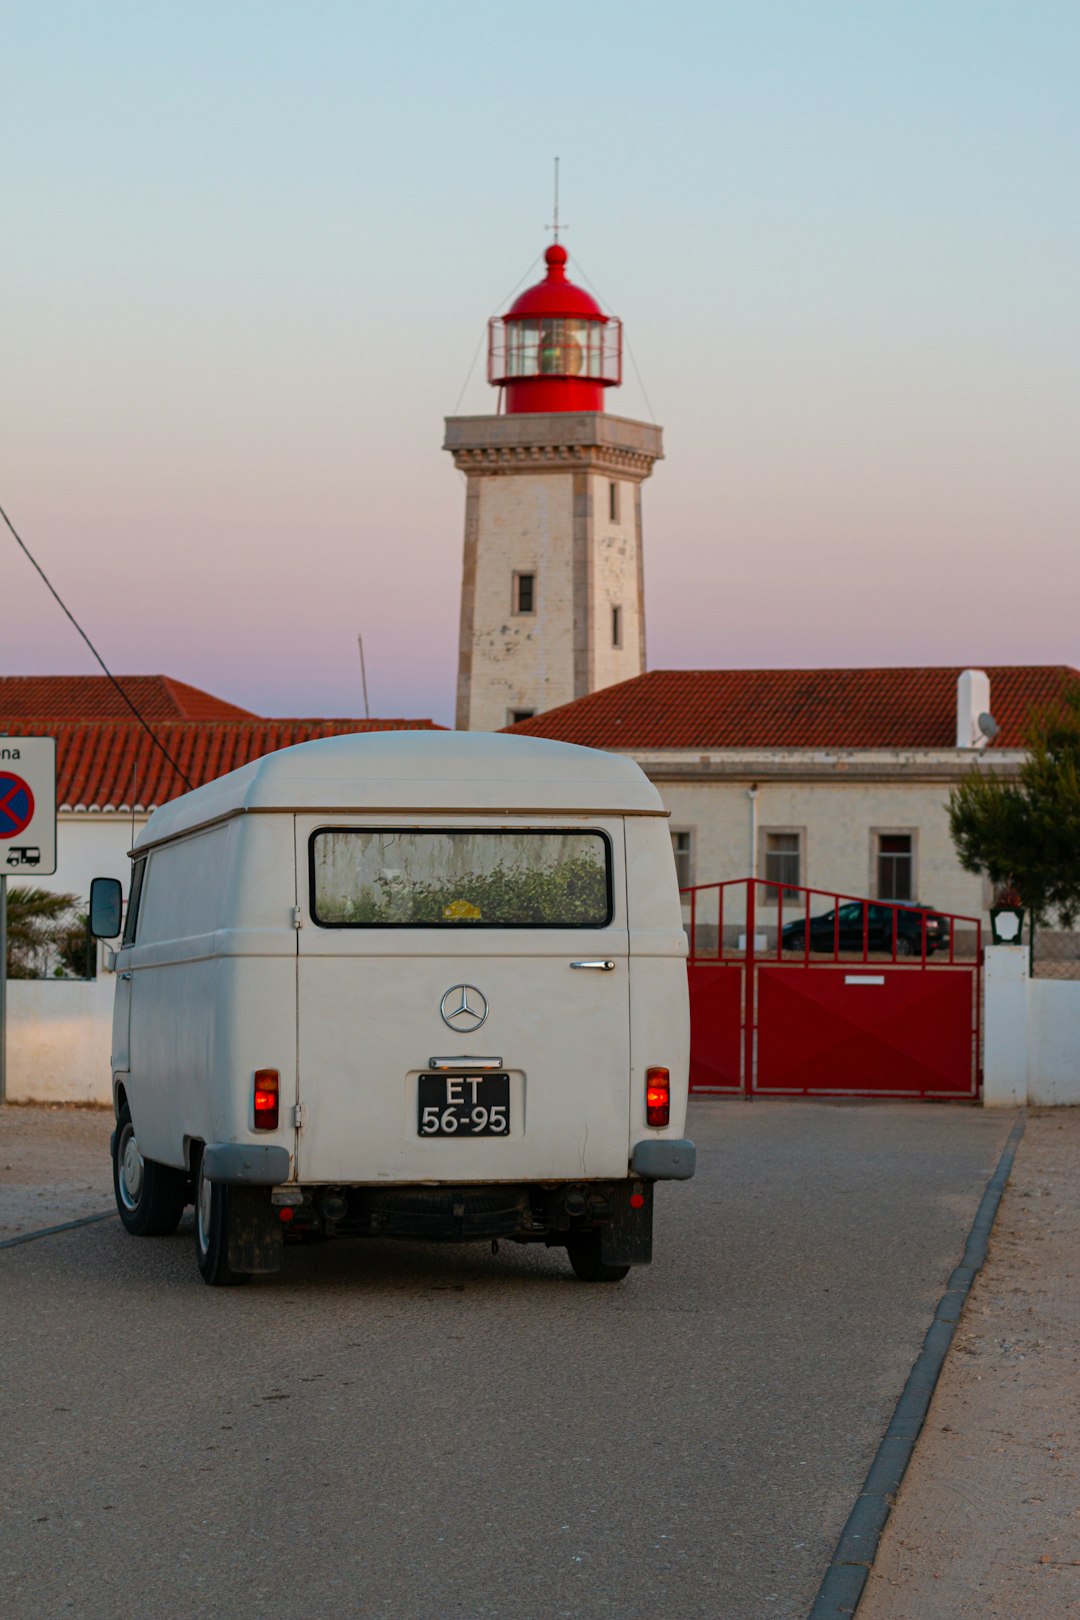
847,934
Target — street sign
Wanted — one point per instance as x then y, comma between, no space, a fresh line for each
27,806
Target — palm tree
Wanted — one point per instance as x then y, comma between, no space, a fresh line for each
38,922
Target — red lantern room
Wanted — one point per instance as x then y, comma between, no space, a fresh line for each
554,349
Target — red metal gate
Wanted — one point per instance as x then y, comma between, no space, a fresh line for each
807,993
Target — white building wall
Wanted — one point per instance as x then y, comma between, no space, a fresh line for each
89,844
59,1040
1054,1041
1031,1035
60,1030
837,822
523,660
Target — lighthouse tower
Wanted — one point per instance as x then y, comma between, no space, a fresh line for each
552,599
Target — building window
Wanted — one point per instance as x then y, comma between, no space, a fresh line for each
514,715
524,596
783,862
895,866
682,845
613,502
616,627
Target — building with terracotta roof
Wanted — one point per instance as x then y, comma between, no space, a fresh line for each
834,779
92,697
111,772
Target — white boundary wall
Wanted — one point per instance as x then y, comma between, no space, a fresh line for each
60,1037
1031,1034
59,1040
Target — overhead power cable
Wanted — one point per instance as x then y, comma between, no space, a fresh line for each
578,266
483,334
158,744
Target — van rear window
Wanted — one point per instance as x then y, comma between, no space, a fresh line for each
459,878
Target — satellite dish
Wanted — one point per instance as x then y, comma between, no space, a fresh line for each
988,726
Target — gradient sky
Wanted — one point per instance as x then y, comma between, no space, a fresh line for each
249,249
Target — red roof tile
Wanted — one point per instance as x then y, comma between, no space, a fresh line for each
115,763
794,708
92,697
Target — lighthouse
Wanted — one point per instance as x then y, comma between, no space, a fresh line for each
552,596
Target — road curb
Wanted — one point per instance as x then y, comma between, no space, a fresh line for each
846,1577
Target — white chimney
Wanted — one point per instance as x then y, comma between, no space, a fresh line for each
972,700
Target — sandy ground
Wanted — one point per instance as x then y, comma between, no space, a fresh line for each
54,1165
987,1523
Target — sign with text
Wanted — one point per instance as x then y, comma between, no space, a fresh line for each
27,806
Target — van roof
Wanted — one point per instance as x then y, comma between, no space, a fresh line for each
388,772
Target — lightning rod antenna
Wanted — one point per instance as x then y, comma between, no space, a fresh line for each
554,226
363,677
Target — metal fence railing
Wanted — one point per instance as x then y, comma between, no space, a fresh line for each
764,920
1055,953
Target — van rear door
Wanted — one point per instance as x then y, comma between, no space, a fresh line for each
463,1000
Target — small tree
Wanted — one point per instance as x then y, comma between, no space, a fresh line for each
39,924
1025,834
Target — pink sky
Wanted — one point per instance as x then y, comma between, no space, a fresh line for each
250,268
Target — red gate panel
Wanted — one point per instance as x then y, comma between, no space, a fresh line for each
715,1027
807,992
866,1031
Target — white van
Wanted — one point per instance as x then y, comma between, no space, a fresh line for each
410,984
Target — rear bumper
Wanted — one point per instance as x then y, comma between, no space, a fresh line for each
246,1164
672,1160
522,1212
266,1164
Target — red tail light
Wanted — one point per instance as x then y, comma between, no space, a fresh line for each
658,1096
266,1099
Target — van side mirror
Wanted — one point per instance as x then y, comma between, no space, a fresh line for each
106,907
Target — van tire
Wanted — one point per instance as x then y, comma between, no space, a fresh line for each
212,1233
584,1251
150,1197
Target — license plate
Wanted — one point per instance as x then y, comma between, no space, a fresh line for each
464,1105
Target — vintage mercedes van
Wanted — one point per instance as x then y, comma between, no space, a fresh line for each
411,984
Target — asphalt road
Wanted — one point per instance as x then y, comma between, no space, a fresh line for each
383,1430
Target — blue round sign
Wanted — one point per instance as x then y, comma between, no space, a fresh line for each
16,805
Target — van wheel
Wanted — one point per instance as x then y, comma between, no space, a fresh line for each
150,1197
584,1251
212,1233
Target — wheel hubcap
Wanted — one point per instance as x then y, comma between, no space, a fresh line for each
130,1169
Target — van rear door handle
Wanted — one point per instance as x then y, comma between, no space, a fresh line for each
601,963
125,976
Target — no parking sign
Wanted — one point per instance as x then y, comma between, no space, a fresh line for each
27,806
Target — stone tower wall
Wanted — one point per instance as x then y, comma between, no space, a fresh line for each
539,502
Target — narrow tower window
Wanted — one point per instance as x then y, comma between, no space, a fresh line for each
616,627
613,502
524,593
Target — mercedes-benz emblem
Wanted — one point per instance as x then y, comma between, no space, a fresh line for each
463,1008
